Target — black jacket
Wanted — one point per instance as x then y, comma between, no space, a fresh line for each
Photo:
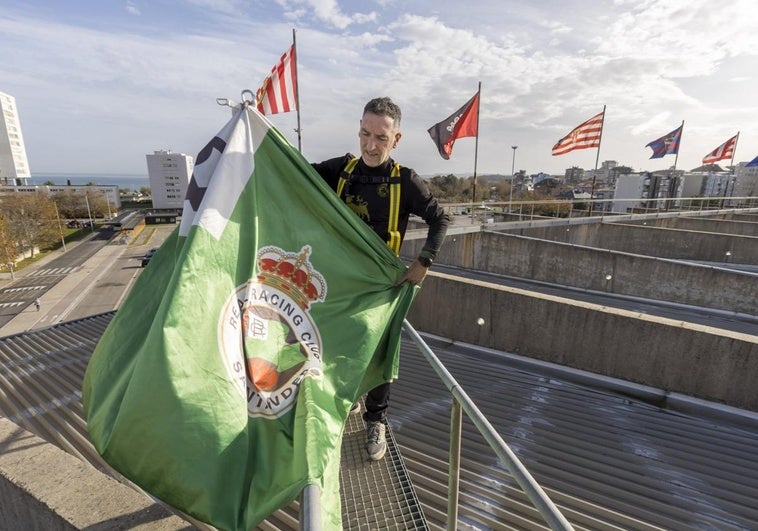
370,201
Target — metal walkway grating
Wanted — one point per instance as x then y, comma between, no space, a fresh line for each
362,480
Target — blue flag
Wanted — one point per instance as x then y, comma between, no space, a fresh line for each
753,163
666,145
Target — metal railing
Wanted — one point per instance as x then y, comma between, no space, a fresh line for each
462,402
568,208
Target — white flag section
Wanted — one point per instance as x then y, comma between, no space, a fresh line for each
212,207
279,90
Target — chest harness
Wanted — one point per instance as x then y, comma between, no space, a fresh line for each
347,177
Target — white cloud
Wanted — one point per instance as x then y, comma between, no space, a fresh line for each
544,67
325,11
132,9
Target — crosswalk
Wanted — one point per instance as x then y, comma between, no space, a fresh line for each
12,304
54,271
23,288
15,298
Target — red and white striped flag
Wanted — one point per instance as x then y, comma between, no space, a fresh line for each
279,90
724,151
586,135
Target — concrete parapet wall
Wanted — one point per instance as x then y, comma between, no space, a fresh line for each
653,241
694,360
721,226
737,216
43,487
587,268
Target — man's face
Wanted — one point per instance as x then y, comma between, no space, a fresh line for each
378,136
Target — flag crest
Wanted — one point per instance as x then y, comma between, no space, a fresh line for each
222,384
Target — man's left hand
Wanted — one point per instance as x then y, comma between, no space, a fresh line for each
415,274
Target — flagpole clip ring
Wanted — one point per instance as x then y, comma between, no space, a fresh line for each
247,101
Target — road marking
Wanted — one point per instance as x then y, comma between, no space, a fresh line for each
54,271
25,288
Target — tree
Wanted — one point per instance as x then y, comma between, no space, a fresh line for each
31,220
8,247
97,203
70,204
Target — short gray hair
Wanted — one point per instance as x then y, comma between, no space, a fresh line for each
384,107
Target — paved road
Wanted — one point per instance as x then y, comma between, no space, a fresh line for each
20,294
91,278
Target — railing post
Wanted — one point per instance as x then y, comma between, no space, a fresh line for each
534,492
454,465
310,508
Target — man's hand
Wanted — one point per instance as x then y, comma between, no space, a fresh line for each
415,274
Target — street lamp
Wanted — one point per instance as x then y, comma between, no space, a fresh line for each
60,229
89,213
513,168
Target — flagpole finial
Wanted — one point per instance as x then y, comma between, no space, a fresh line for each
248,98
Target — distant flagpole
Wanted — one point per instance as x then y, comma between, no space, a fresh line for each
297,95
734,149
681,133
726,188
476,148
597,160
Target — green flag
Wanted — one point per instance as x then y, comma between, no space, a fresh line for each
223,383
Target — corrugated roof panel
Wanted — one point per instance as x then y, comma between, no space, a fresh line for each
605,459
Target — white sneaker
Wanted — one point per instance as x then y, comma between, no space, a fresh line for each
376,442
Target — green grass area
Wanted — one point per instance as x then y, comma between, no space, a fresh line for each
69,236
144,236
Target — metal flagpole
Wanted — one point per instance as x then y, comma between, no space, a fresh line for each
734,172
297,94
597,160
672,192
476,147
681,132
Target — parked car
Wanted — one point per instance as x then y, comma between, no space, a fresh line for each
148,256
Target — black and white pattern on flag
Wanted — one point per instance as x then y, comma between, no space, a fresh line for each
205,165
202,172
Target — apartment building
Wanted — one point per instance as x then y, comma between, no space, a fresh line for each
14,165
169,175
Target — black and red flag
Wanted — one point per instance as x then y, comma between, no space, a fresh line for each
462,123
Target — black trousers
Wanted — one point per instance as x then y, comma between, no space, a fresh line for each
377,402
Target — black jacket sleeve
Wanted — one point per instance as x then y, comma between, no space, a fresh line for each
425,205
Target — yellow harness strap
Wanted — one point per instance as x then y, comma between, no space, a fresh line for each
392,228
394,213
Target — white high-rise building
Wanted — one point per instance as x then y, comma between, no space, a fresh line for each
169,177
14,166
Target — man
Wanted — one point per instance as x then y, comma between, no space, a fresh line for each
384,195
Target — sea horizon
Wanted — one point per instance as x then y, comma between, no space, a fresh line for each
122,180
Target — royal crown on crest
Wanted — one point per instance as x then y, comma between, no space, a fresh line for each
291,273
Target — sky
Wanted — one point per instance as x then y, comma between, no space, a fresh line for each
101,83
